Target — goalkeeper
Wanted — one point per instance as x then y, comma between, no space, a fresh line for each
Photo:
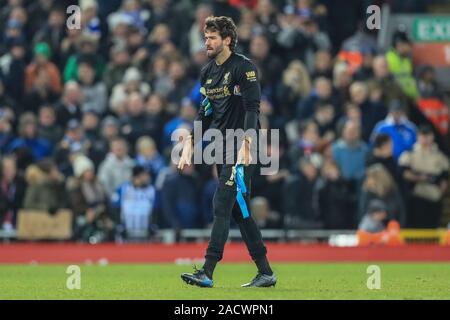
232,95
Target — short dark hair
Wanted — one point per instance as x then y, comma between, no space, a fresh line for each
425,129
224,26
381,139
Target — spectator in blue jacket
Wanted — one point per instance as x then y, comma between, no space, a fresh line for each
398,127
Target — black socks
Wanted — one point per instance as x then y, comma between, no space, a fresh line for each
264,266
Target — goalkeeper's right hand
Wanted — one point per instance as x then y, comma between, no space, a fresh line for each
186,154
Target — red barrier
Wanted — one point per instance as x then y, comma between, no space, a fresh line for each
235,252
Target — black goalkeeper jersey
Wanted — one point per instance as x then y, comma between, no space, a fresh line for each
234,92
233,89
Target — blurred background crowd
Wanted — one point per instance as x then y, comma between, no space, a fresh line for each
86,115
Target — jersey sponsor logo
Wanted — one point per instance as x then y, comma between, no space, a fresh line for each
251,75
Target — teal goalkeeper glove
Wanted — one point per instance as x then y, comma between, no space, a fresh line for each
206,104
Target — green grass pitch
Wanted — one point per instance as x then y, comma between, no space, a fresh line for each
162,281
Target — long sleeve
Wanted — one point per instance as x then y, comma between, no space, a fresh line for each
251,94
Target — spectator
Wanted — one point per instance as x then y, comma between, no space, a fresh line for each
28,141
350,152
398,127
295,86
93,91
42,64
300,210
12,193
90,125
400,63
374,218
307,144
118,64
109,131
135,200
425,168
6,132
382,154
70,105
380,185
371,113
196,41
180,200
385,80
48,129
335,199
88,202
46,190
117,167
12,67
322,92
149,157
73,142
87,47
264,217
52,32
131,82
269,66
134,122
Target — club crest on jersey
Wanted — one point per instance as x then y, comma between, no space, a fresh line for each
237,90
226,78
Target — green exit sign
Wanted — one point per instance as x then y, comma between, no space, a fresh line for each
431,29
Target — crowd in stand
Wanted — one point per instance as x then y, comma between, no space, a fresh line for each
86,116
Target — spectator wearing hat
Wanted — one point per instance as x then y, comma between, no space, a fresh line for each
398,127
374,219
425,169
399,59
13,31
42,69
88,201
95,95
135,200
117,166
132,81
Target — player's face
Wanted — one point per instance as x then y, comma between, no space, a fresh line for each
214,44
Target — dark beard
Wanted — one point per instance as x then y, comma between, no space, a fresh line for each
215,53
